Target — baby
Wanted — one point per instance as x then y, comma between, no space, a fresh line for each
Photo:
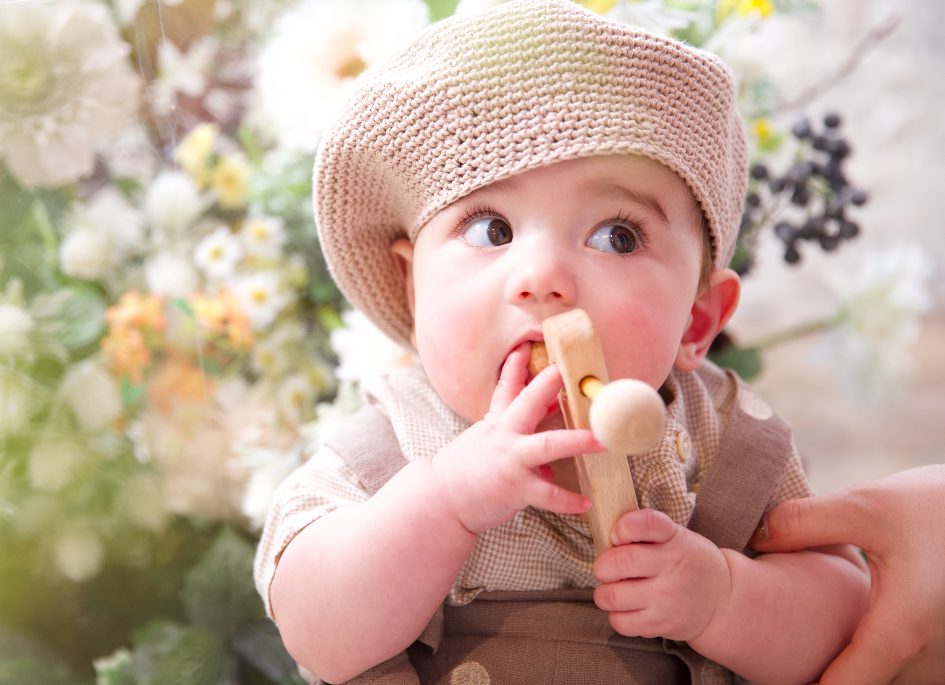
505,168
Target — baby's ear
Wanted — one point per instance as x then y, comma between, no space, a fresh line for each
402,252
713,307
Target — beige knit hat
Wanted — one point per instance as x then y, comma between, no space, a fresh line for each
479,98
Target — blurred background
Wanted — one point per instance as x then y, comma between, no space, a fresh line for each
171,346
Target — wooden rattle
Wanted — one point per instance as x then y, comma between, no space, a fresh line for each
627,416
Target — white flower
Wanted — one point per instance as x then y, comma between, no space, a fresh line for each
879,319
129,154
15,327
218,253
65,87
170,275
85,254
52,463
172,205
260,297
272,355
17,402
78,554
181,73
296,397
364,351
652,15
467,7
109,213
324,45
264,237
92,395
267,470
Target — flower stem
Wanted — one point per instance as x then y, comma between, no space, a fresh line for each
794,332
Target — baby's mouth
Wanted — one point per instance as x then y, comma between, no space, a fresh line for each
537,360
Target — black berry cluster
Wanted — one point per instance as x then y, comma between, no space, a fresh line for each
810,201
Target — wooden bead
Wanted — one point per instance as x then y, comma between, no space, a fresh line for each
627,416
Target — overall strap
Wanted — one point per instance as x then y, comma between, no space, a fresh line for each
754,451
368,445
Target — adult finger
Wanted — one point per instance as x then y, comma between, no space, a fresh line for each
512,377
643,525
841,518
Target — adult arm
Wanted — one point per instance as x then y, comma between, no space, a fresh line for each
778,618
898,523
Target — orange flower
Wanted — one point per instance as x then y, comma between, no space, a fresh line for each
128,353
210,312
177,380
221,314
136,310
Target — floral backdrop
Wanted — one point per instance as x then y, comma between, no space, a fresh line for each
171,346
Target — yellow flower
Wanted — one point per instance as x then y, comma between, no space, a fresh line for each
229,181
222,315
762,130
744,8
194,151
599,6
210,312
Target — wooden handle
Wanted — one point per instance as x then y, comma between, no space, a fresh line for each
604,478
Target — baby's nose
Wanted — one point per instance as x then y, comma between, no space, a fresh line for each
541,276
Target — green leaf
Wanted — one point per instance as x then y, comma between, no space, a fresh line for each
27,671
440,9
218,592
115,669
262,647
82,317
745,361
24,660
196,657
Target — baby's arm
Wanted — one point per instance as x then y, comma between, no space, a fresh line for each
359,585
778,618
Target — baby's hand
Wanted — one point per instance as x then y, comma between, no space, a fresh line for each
660,580
499,465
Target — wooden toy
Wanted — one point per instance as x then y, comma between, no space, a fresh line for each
627,416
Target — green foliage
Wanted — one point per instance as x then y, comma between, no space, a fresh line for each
440,9
745,361
218,592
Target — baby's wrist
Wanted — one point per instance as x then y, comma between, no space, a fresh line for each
449,492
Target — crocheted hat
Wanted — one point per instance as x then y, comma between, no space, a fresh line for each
479,98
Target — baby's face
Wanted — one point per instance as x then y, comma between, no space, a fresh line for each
617,236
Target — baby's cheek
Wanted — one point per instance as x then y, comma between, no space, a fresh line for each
451,351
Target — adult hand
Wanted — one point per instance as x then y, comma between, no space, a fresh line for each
899,523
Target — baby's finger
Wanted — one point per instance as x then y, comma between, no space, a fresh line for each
643,525
549,446
628,562
512,377
531,405
546,495
625,595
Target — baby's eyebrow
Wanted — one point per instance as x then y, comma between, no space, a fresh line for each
618,192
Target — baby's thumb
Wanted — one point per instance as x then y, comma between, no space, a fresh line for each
809,522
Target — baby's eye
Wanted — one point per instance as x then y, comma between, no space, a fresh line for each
488,231
616,237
